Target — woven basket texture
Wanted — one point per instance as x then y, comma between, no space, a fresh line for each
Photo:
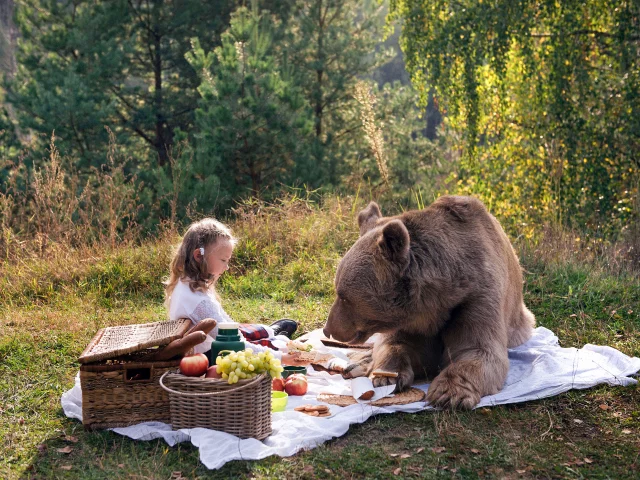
125,393
242,409
112,342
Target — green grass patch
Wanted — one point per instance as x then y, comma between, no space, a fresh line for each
47,322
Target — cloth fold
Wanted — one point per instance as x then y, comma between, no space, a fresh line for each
538,369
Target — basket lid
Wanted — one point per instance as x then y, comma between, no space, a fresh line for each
111,342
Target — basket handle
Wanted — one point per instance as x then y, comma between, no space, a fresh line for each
207,394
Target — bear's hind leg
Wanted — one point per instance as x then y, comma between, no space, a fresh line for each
522,327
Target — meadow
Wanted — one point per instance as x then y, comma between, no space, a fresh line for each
52,303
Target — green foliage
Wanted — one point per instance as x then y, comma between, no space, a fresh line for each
333,44
84,65
283,267
543,99
200,122
252,120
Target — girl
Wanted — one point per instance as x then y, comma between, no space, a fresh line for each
200,260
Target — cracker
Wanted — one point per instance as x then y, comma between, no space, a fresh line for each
326,414
313,414
316,408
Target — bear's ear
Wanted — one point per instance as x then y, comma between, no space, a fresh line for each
394,242
368,217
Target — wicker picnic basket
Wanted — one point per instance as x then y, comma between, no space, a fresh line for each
120,386
243,409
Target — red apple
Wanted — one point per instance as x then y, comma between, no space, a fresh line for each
194,365
278,384
296,384
212,372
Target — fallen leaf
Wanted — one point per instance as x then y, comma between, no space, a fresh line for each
405,455
67,449
521,471
42,448
326,470
308,469
453,470
421,449
397,471
511,444
587,460
65,467
573,315
626,431
603,407
394,454
485,411
578,462
577,420
71,438
475,451
121,465
438,449
21,421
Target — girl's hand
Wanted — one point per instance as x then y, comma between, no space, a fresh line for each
288,359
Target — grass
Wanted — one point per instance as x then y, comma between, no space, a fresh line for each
284,266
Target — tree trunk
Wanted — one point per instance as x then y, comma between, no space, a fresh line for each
9,35
319,73
162,141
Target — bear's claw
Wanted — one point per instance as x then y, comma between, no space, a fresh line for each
449,391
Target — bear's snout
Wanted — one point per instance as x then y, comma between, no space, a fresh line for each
339,325
326,332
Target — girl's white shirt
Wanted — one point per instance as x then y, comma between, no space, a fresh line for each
197,306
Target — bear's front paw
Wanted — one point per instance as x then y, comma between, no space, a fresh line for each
402,381
360,365
452,390
354,370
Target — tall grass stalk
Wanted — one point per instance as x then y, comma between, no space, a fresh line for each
367,100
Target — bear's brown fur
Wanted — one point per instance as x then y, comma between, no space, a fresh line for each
444,288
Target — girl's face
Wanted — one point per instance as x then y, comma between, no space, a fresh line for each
218,256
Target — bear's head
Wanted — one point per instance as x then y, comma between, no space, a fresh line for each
369,280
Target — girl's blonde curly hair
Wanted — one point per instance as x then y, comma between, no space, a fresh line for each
202,234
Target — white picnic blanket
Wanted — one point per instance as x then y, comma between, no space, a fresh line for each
539,368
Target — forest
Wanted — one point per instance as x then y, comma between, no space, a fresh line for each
124,116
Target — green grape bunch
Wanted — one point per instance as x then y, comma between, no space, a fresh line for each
247,364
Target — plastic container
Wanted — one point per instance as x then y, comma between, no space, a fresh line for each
228,338
291,369
279,401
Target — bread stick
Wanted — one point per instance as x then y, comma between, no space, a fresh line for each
179,346
384,373
205,326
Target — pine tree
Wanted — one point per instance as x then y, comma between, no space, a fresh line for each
87,64
252,120
333,44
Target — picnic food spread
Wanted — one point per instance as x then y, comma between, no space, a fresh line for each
148,372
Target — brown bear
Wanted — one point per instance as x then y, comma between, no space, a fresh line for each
443,287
